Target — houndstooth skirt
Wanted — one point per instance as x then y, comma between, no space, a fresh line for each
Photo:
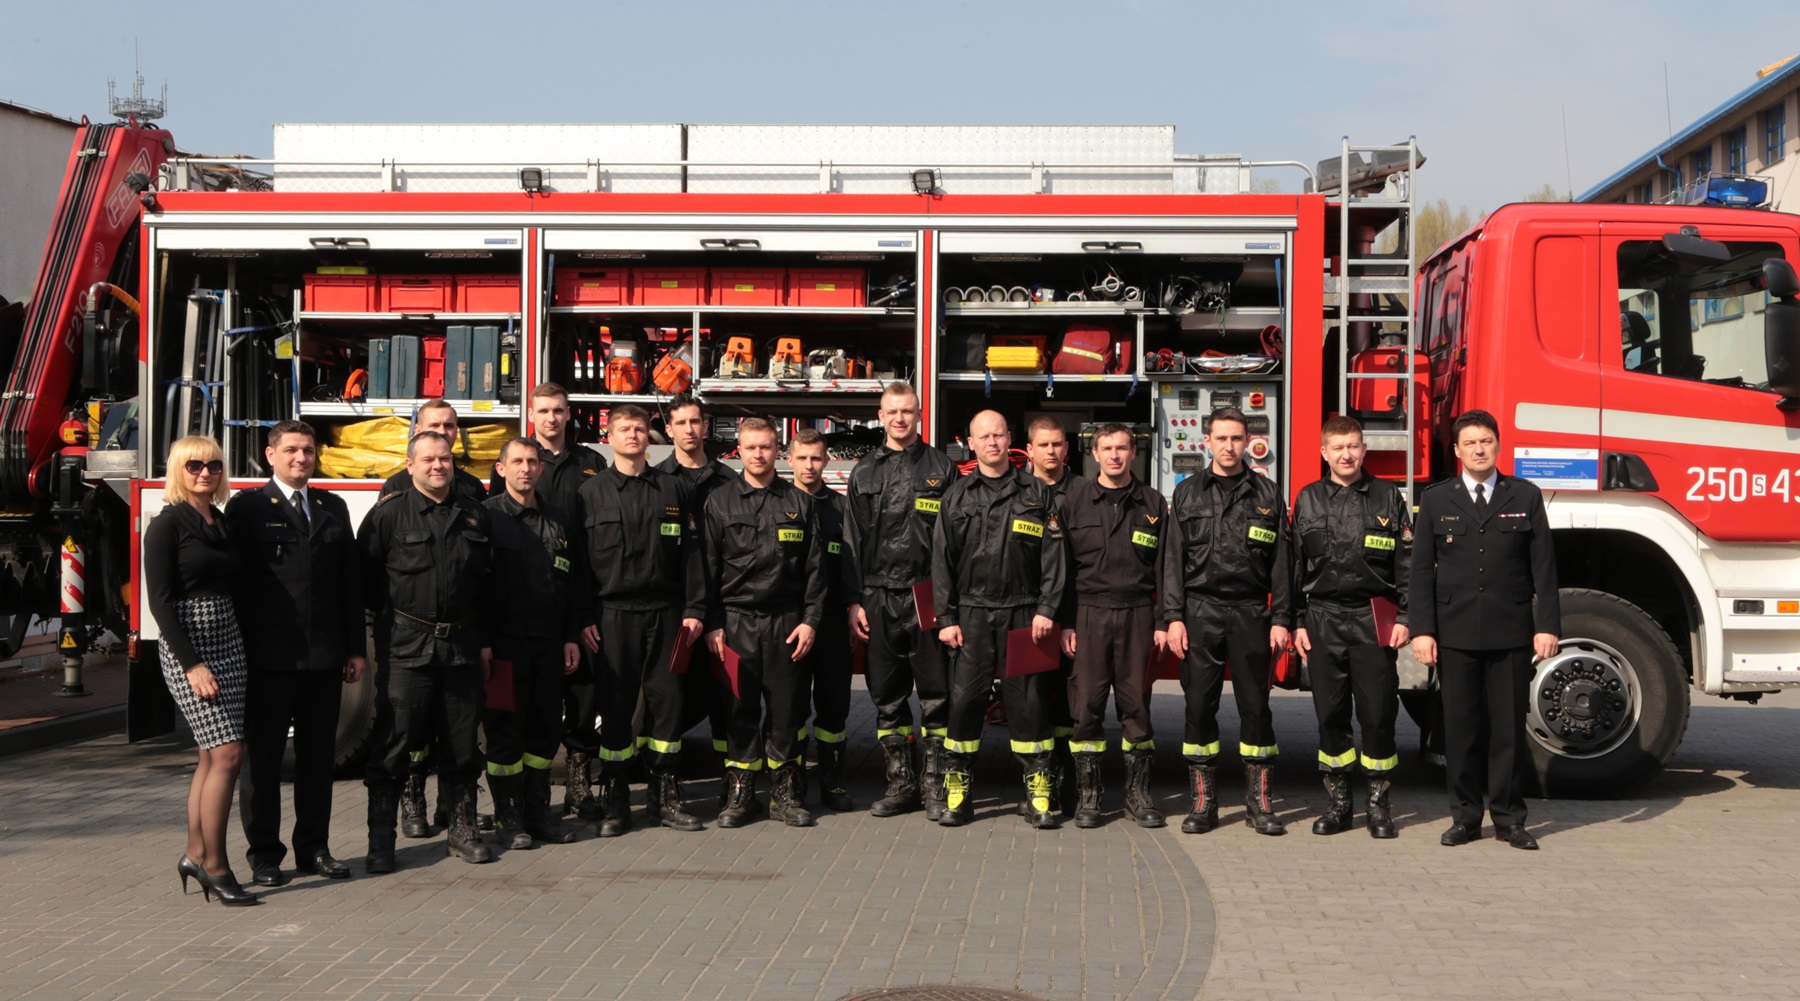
211,624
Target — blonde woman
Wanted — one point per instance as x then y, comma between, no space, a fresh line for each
190,572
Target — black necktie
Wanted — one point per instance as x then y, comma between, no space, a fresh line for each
300,506
1481,499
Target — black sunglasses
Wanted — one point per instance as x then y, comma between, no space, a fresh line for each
214,466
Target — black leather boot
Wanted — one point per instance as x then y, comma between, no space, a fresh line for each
1039,804
509,814
1203,783
740,792
463,836
1088,787
668,808
614,804
902,782
799,765
1140,806
831,777
384,802
784,797
959,791
1259,799
578,787
543,824
1338,808
412,809
1381,820
931,780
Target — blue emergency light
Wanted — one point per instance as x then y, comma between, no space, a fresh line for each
1732,192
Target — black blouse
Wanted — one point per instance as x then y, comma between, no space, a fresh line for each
184,557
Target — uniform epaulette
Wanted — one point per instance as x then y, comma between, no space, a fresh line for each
384,498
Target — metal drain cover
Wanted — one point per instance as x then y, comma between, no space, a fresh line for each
940,992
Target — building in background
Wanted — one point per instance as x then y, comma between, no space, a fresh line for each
34,150
1750,134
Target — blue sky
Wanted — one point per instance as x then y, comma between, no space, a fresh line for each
1483,86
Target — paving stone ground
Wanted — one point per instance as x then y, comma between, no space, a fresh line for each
1681,891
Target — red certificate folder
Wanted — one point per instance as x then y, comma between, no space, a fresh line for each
1027,656
923,607
1385,612
728,672
680,652
500,686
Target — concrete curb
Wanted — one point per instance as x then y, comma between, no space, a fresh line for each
80,726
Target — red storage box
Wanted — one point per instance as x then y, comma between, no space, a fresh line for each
837,288
431,366
339,293
416,293
487,293
668,286
748,287
592,286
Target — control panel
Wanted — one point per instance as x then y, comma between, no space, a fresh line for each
1183,415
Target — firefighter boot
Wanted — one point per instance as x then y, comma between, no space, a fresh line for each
540,821
578,787
1140,806
412,809
384,801
959,791
615,807
931,783
1203,781
831,777
1259,800
667,807
463,836
799,764
1381,821
740,792
1338,808
1087,791
1039,805
509,814
902,783
784,796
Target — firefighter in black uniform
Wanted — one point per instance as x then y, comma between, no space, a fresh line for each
438,416
1226,600
1353,537
1114,525
766,599
1047,445
427,558
645,558
300,607
1482,553
997,565
889,511
566,465
829,663
540,578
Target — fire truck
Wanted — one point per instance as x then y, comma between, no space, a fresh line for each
1640,359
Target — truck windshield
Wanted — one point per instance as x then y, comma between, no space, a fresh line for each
1699,324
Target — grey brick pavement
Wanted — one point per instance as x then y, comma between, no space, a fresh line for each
1682,891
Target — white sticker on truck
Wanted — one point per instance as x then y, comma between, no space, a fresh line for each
1559,468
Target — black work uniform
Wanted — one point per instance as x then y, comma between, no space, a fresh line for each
1115,540
1227,576
300,609
560,484
828,664
1354,544
540,577
648,575
1475,573
427,567
763,571
702,694
1062,716
889,512
997,562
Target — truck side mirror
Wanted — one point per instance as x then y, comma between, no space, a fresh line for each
1781,330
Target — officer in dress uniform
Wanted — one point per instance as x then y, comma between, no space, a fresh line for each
1484,600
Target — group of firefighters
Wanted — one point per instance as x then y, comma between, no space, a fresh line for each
649,596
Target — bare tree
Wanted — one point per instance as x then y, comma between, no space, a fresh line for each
1547,193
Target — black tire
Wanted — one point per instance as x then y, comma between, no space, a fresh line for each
356,725
1611,708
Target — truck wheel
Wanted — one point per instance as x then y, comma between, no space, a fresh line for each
356,723
1609,710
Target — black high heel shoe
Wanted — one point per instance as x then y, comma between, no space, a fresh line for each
186,868
231,892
